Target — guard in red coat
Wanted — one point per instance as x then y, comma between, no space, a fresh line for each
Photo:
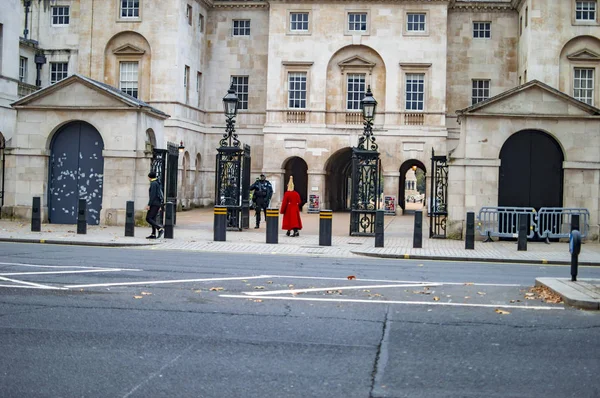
290,208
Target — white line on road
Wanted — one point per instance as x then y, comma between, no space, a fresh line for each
320,289
39,286
332,300
34,287
395,281
84,271
168,281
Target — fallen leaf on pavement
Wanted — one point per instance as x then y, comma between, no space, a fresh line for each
436,298
259,287
269,282
290,285
258,301
244,280
216,289
467,297
333,292
501,312
137,297
350,277
546,295
468,283
419,265
146,294
481,293
198,291
367,290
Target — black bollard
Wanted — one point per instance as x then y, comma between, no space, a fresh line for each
82,217
470,235
575,249
129,219
418,231
36,215
325,221
522,236
220,224
169,220
272,225
379,228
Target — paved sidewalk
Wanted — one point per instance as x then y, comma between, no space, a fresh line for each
194,232
583,293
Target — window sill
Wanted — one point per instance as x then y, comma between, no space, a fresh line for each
125,20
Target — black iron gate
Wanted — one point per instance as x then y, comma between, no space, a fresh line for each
165,163
2,173
233,183
365,191
438,197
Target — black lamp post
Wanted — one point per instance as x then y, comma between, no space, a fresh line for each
230,105
181,147
368,106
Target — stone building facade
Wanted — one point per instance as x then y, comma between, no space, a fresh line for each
300,68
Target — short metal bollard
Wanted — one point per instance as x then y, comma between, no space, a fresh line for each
220,224
169,220
379,223
470,235
418,231
523,230
36,215
272,225
129,219
325,221
82,217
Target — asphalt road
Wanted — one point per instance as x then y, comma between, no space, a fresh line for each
99,322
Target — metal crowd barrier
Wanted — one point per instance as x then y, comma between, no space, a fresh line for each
503,222
555,222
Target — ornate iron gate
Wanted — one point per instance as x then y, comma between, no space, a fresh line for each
233,183
165,163
2,174
438,197
366,185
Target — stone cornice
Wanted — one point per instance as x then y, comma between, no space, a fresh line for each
240,4
476,6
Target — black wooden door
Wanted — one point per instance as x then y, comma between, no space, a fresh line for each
76,171
531,171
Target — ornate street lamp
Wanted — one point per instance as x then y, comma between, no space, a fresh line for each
181,147
230,104
368,106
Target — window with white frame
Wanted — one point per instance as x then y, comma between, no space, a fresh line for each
240,85
23,69
482,30
297,90
241,27
415,22
357,21
60,15
415,91
585,10
58,71
299,22
583,85
480,91
355,90
130,8
128,80
201,23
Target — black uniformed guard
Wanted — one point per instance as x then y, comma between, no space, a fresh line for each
263,190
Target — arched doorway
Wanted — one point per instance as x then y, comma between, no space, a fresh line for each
337,180
531,171
76,171
297,167
412,188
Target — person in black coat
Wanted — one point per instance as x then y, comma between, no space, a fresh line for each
263,191
155,202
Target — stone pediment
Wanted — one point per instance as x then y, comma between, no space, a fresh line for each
356,62
80,92
584,55
128,49
531,99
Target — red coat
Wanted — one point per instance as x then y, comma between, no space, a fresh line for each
290,208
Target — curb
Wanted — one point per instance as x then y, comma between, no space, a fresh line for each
469,259
571,295
73,243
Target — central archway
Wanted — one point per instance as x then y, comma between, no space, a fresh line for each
337,180
297,167
417,183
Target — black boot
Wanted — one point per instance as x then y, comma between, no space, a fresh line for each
288,233
296,233
256,226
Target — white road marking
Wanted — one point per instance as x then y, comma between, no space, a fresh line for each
395,281
333,300
34,287
320,289
60,272
65,266
40,286
168,281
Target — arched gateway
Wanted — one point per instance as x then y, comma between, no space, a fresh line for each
531,171
76,171
337,184
297,167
